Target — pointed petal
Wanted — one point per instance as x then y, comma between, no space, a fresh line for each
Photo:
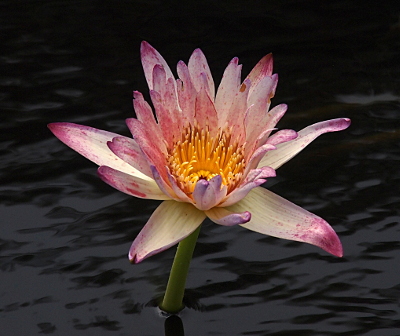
92,144
227,218
151,57
262,69
170,223
285,151
131,185
275,216
128,150
227,89
186,93
198,64
145,114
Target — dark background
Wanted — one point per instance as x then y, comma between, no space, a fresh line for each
65,235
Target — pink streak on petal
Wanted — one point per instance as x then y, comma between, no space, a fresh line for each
224,217
198,64
128,150
186,93
145,115
275,216
163,185
170,223
205,112
282,136
150,58
92,144
131,185
287,150
262,69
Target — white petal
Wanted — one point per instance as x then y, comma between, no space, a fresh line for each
275,216
169,224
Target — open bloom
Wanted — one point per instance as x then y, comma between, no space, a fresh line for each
205,154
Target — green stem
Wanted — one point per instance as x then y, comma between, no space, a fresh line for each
173,299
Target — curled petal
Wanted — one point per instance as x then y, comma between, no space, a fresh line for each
92,144
275,216
227,218
285,151
207,194
131,185
282,136
169,224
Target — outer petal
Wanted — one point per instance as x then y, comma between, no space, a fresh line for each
262,69
275,216
92,144
131,185
170,223
285,151
227,218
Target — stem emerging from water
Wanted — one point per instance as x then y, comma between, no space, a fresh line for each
173,299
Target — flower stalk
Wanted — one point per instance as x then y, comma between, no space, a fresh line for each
172,302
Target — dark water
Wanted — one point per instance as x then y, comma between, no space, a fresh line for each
64,235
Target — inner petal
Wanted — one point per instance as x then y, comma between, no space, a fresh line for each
198,155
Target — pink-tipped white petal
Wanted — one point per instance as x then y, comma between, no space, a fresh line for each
262,69
131,185
197,65
150,58
92,144
275,216
169,224
205,112
227,218
186,93
128,150
227,89
285,151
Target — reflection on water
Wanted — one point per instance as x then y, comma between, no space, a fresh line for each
64,234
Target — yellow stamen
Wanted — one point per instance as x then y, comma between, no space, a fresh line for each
198,155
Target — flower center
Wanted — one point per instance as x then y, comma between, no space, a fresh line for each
198,155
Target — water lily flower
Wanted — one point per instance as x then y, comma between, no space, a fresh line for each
205,154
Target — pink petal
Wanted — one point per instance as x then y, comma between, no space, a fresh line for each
224,217
186,93
254,178
227,89
131,185
259,133
153,150
170,223
150,58
92,144
275,216
128,150
287,150
145,114
208,194
205,112
262,69
198,64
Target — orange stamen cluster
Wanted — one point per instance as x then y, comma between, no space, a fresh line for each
198,155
